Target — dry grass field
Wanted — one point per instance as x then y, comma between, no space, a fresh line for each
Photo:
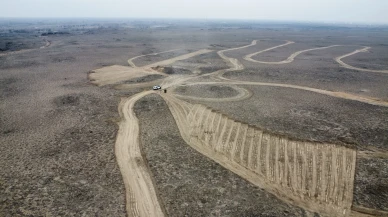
252,119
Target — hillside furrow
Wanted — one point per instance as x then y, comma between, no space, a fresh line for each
303,173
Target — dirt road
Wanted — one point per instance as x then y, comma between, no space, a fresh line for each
181,57
341,95
116,73
131,63
321,180
248,152
141,199
290,59
249,56
365,49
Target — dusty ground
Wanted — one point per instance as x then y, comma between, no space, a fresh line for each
307,115
57,131
319,118
371,183
188,182
211,91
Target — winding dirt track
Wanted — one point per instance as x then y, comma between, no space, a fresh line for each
242,94
233,63
290,59
316,177
131,63
340,95
181,57
365,49
249,56
141,199
116,73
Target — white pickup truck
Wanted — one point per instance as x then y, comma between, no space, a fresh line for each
156,88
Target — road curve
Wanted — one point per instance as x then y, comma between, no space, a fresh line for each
140,193
131,63
345,65
234,63
242,94
290,59
249,56
141,199
178,58
341,95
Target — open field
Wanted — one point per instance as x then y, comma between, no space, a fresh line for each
258,121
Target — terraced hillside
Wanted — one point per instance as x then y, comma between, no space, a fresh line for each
317,177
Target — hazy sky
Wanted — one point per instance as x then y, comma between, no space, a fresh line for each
355,11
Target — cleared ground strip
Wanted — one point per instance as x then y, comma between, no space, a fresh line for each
317,177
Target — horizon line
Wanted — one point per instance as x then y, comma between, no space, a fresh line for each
214,19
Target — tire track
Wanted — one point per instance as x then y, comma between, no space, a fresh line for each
290,59
373,154
345,65
316,177
181,57
206,125
319,191
232,62
132,64
359,211
249,56
115,74
341,95
242,94
141,199
138,85
242,146
234,144
235,65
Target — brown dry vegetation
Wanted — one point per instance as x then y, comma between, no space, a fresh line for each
58,131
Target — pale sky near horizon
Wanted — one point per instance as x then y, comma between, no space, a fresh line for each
343,11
